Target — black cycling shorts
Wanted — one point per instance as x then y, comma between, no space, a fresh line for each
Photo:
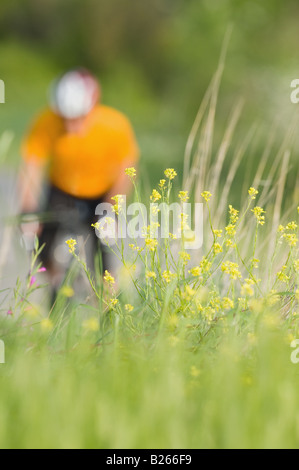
70,216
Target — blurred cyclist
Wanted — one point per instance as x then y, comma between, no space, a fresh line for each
80,148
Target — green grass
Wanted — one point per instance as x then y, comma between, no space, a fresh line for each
203,359
142,393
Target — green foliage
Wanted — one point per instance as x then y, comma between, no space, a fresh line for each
189,355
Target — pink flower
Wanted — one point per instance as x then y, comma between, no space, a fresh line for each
9,312
32,281
42,270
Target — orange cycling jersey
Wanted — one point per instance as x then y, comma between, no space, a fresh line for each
84,164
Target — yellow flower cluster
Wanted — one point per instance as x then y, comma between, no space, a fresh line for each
233,214
188,293
71,243
168,276
184,221
231,268
155,196
217,248
183,196
230,230
227,303
170,173
281,275
247,289
136,248
184,256
46,325
129,308
67,291
195,271
290,238
113,302
91,324
206,195
96,226
204,267
258,212
252,193
151,243
131,172
255,262
291,226
118,199
150,275
217,233
109,278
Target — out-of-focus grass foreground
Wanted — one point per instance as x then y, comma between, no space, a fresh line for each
180,349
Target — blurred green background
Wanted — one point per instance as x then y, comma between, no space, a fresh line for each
154,60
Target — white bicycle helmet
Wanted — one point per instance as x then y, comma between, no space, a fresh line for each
74,94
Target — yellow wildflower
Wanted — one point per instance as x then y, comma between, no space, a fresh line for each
185,257
255,262
195,271
217,233
96,226
227,303
118,199
170,173
206,195
129,307
168,276
91,324
242,303
217,248
150,275
258,211
290,238
109,278
151,243
131,172
113,302
215,303
247,289
291,226
188,293
46,325
194,371
252,193
184,221
231,268
273,298
230,230
71,243
67,291
154,209
281,275
234,214
155,196
229,243
183,196
205,265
